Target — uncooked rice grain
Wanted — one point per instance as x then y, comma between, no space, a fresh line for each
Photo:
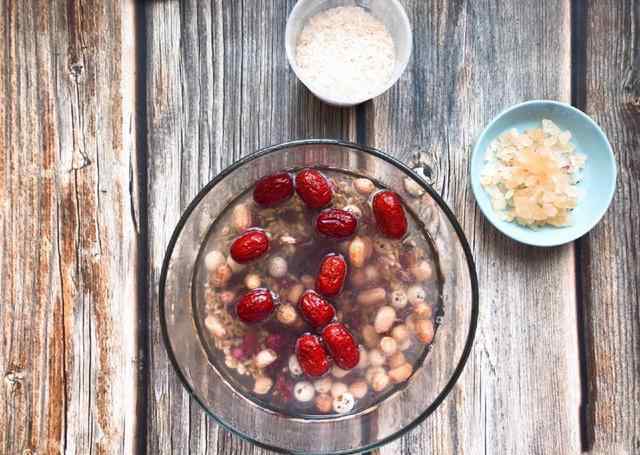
345,53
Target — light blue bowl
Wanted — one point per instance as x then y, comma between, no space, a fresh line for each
598,177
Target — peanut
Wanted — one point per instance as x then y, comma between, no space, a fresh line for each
286,314
263,385
357,252
308,281
384,319
214,325
371,296
338,388
363,186
372,371
422,271
323,385
220,277
370,336
295,292
388,345
324,403
396,360
400,333
358,279
241,217
364,358
213,260
412,187
422,311
401,373
354,209
371,273
252,281
379,382
359,389
376,358
234,266
425,331
265,358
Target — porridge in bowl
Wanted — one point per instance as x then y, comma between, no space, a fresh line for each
318,293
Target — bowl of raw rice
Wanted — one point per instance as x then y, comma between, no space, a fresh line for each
543,173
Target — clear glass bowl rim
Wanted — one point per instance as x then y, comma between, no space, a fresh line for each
364,149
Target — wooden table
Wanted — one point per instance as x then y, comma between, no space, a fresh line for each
115,113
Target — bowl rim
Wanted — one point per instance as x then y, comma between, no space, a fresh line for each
290,46
391,160
491,215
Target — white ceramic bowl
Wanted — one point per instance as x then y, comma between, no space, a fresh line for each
390,12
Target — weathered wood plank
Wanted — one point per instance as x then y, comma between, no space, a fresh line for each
609,255
472,59
219,87
67,227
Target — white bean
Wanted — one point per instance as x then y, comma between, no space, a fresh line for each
303,391
343,403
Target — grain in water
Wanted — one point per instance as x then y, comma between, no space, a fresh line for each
345,53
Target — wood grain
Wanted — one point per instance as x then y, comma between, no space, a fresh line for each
219,87
68,233
520,390
609,255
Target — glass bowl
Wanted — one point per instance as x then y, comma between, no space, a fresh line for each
380,423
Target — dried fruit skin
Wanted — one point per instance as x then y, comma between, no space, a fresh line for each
315,309
332,274
249,246
255,306
313,188
273,189
389,214
312,355
341,345
337,223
